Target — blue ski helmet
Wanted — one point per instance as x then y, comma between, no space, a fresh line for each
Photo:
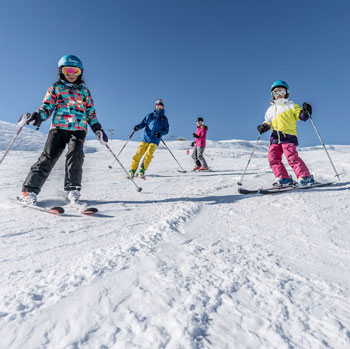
70,61
280,83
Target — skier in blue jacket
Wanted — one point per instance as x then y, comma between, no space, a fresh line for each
156,125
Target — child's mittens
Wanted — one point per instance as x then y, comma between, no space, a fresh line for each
263,128
307,109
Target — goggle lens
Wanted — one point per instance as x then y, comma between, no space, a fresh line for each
279,91
71,71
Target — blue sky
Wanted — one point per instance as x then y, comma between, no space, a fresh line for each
209,58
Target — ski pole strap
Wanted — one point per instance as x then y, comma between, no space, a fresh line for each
23,119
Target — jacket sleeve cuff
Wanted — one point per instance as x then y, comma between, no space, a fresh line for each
96,127
303,116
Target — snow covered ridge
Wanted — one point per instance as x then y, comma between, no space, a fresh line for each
28,140
32,140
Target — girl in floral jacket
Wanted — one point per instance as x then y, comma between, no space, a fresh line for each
69,102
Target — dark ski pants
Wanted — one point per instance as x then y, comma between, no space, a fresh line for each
54,146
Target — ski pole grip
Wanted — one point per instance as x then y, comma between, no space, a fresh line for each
23,119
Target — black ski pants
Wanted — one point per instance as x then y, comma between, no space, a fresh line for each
54,146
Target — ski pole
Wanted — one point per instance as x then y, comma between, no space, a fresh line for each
251,155
183,171
123,147
21,123
121,165
319,137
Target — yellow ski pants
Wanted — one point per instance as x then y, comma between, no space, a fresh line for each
149,149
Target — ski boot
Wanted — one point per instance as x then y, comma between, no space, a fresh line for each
141,173
204,169
283,182
306,181
29,198
73,196
131,173
196,168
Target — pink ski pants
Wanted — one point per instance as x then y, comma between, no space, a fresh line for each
290,152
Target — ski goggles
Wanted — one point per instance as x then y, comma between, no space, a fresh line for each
279,91
71,71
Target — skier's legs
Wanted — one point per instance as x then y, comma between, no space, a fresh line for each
294,161
195,156
74,161
137,157
275,159
149,155
200,151
54,146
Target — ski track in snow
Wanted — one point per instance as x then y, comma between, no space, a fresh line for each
187,263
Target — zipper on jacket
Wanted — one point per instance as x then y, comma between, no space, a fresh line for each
278,132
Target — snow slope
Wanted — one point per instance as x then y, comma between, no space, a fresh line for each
186,263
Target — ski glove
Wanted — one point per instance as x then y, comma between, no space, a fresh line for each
307,109
263,128
158,134
195,136
192,144
136,128
34,119
100,134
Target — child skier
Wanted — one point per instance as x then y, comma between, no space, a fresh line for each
282,116
199,146
156,125
70,103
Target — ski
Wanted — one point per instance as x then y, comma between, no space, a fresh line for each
289,188
138,175
56,210
274,190
84,209
181,171
244,191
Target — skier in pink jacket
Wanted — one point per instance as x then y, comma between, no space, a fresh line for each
199,146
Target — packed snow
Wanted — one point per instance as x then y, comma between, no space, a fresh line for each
186,263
